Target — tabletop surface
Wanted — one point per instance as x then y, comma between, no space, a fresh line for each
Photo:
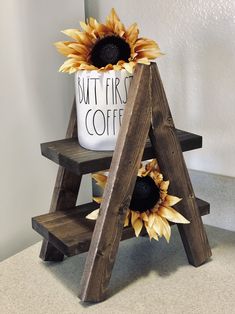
148,277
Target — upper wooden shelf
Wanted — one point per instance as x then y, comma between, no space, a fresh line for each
69,154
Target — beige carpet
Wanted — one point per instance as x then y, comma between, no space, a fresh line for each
147,278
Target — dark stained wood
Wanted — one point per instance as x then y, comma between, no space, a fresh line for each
69,154
65,192
169,155
70,232
117,194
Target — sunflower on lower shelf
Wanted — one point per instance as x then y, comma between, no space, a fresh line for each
150,206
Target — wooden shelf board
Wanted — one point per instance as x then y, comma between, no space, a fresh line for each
69,154
70,232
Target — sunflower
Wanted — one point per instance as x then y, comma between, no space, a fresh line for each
150,206
108,46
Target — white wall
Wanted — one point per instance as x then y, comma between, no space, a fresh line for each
35,101
198,70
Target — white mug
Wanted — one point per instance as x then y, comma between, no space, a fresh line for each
100,101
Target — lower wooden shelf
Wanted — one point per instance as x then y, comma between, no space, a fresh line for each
70,232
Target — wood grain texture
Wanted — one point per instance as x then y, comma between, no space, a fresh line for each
169,155
117,194
65,192
70,232
69,154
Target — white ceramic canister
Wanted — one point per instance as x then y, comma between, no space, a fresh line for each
100,98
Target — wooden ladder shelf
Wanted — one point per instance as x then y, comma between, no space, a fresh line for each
147,132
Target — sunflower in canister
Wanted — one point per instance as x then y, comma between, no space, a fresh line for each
108,46
150,206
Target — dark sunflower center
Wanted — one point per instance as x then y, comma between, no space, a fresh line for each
109,50
146,194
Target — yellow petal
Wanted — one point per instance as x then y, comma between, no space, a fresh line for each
126,223
149,54
151,232
143,61
117,67
150,166
144,216
100,179
73,33
172,215
171,200
157,226
93,215
151,219
132,33
98,200
114,24
62,47
129,66
165,227
80,48
164,185
134,216
88,67
86,27
138,225
85,39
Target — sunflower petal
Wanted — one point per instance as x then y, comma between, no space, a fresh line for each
71,33
63,48
80,48
86,27
172,215
132,33
171,200
138,225
143,61
164,185
144,216
126,223
93,215
134,216
164,226
129,66
151,219
100,179
150,166
151,232
98,200
157,226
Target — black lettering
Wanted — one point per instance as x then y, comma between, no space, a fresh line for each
108,116
120,116
117,81
95,113
107,87
114,124
95,87
87,123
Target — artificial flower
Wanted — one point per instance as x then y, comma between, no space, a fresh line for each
150,206
108,46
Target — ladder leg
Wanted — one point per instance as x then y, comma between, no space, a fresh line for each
172,165
65,193
117,195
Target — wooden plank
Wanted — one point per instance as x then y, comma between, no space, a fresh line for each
70,232
171,161
117,195
69,154
65,192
